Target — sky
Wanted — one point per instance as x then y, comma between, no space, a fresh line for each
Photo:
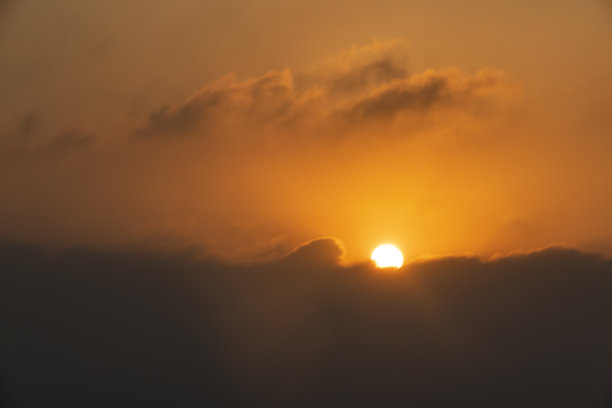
248,128
208,164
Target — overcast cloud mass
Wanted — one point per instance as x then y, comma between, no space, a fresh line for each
91,328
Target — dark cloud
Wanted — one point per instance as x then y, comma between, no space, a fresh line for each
377,86
22,139
261,100
374,73
29,124
391,101
69,140
22,144
182,120
92,328
320,252
422,93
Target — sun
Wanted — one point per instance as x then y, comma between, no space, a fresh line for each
387,256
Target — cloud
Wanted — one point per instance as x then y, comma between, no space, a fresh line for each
368,84
85,327
421,93
26,143
320,252
69,140
358,69
255,100
376,72
29,124
184,118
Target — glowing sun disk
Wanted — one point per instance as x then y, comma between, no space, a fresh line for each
387,256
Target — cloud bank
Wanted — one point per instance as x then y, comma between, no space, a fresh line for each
90,328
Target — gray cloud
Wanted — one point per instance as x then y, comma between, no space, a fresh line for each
358,89
30,124
68,140
423,93
319,252
26,144
374,73
184,119
88,328
402,98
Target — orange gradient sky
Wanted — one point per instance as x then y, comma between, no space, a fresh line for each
246,128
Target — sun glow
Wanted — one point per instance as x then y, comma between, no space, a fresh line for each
387,256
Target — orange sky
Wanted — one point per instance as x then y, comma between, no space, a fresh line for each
247,128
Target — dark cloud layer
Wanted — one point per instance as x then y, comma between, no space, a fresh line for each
98,329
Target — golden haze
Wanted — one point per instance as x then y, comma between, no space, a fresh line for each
459,135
